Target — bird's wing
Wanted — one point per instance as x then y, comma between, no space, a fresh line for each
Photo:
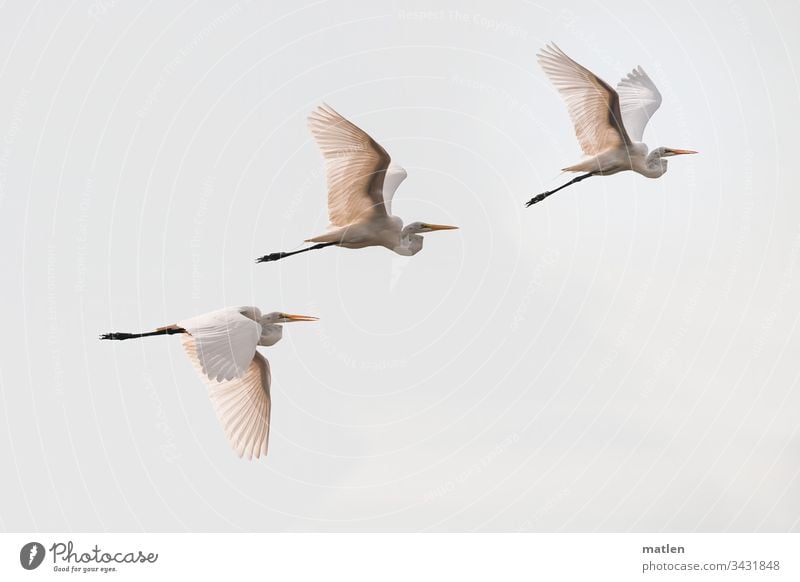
242,404
355,165
394,177
592,103
225,342
639,100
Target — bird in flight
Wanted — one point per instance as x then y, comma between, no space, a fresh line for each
361,184
609,123
222,347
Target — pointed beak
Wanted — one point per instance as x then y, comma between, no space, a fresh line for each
681,152
290,317
440,227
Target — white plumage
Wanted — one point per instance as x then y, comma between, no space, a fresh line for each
608,123
361,185
222,347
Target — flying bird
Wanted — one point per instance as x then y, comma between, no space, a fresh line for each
609,123
222,347
361,184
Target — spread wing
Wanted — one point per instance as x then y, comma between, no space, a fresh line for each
355,165
394,177
639,100
225,342
242,404
592,104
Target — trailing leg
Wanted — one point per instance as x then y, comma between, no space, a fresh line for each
278,256
543,195
121,335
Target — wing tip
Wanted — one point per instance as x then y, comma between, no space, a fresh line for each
397,169
323,112
248,450
550,50
636,74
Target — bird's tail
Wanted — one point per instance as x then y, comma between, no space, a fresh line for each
328,237
587,165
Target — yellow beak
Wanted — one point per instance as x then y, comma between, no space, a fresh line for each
440,227
291,317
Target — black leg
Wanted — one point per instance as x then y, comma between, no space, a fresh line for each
544,195
121,335
278,256
118,335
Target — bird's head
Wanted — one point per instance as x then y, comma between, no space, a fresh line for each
657,160
280,317
423,227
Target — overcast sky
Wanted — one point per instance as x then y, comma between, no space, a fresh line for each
620,357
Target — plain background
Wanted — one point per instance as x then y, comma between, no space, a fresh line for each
620,357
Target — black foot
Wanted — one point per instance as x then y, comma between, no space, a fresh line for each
271,257
116,336
536,199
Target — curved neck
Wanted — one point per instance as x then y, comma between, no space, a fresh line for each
654,165
410,243
271,334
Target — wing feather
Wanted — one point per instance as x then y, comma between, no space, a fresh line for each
355,165
592,103
243,404
226,342
395,175
639,100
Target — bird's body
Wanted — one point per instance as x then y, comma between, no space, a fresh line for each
383,231
609,123
222,347
635,157
361,185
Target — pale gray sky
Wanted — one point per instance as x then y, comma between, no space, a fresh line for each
620,357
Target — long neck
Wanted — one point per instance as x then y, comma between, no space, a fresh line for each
270,334
654,165
410,243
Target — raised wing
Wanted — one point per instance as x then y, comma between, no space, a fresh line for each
243,404
225,342
592,104
394,177
639,100
355,165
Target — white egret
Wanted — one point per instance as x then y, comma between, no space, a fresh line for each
609,124
222,348
361,185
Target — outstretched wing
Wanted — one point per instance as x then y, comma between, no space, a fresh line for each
592,104
242,404
355,165
394,177
639,100
225,342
